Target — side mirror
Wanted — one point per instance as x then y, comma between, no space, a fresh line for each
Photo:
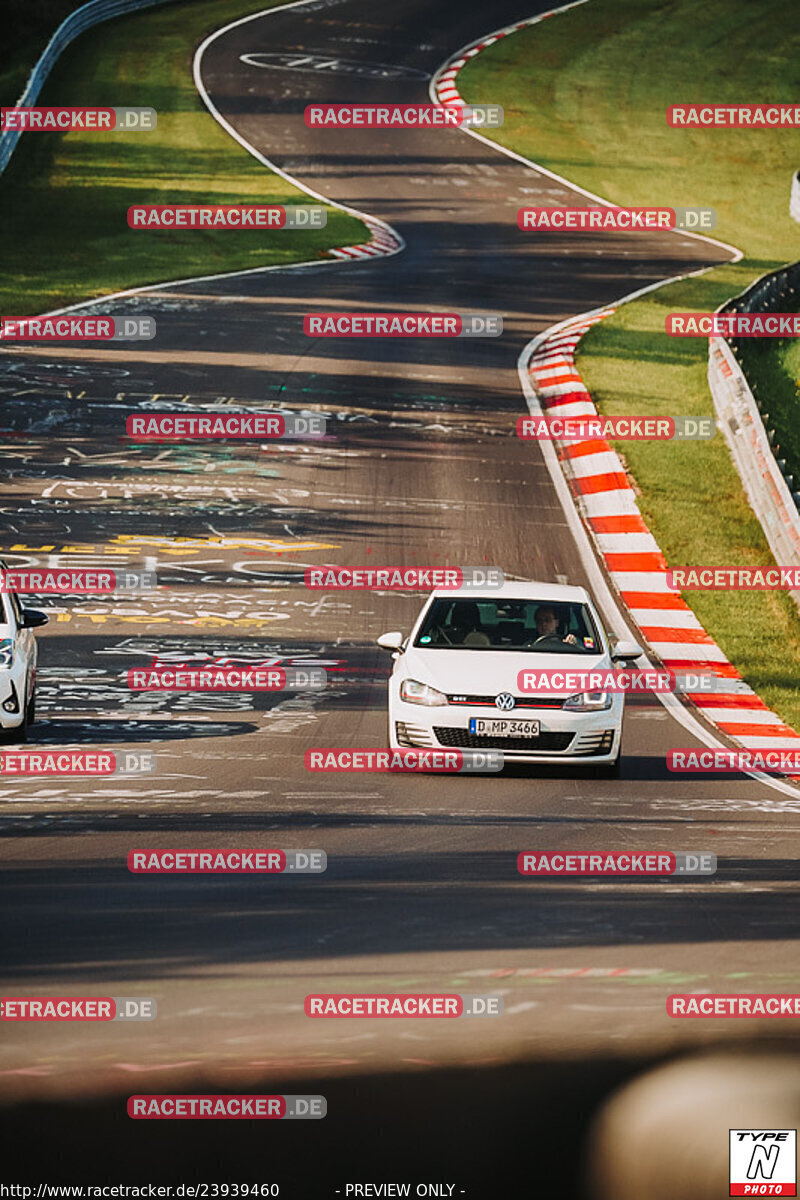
391,641
626,651
32,618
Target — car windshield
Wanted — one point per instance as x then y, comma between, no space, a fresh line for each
529,626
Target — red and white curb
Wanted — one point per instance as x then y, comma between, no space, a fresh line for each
443,85
607,504
383,241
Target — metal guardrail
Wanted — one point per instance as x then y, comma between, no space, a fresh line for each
85,17
768,491
777,292
769,294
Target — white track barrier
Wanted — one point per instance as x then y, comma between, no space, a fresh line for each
794,202
740,422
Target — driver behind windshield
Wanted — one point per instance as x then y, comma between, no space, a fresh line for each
514,624
546,623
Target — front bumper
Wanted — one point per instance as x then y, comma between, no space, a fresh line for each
565,737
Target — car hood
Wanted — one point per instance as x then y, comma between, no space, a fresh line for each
486,672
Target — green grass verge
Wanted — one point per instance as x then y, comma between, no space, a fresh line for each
585,94
64,198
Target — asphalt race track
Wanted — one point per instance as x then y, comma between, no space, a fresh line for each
421,466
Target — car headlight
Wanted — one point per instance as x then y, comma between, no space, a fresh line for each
6,652
420,693
588,702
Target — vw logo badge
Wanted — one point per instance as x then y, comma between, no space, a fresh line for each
505,702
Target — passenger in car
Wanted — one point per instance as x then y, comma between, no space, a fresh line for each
466,630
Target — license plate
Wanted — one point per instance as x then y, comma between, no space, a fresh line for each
488,727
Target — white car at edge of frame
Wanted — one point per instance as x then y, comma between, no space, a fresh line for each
455,677
18,656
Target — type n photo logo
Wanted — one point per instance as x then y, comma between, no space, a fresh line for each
763,1162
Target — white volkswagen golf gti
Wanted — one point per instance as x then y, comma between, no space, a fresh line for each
455,677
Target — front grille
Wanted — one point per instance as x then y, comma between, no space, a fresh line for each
545,743
460,700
